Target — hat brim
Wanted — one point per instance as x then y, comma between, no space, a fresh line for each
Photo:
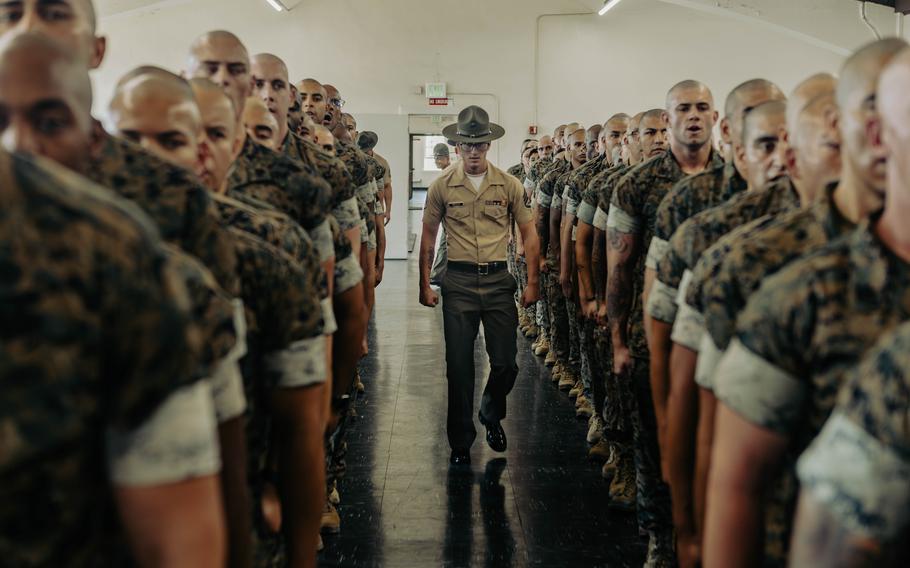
451,133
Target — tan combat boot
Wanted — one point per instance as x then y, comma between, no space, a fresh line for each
331,520
622,487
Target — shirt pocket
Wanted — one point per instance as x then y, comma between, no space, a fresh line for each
498,213
457,212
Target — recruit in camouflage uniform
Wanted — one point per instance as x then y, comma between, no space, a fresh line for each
858,468
559,330
795,338
613,396
750,257
576,183
94,303
288,185
333,171
633,210
180,207
693,238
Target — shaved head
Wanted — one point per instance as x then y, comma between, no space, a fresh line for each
762,151
272,62
221,57
775,110
324,138
333,108
687,85
259,123
219,40
861,70
270,83
820,85
739,99
894,107
43,82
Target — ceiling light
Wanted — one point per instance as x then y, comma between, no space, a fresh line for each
608,5
284,5
276,4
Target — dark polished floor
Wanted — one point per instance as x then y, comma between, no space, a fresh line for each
539,504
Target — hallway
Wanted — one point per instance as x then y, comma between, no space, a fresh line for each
539,504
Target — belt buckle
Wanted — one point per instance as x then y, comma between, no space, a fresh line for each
483,269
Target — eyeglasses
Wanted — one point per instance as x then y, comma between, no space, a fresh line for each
337,103
471,146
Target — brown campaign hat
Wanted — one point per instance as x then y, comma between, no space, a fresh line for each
473,126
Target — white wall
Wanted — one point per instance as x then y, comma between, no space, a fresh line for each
377,51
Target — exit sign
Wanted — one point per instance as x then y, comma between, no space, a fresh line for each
439,102
436,91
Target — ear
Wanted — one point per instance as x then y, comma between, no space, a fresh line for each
716,116
99,48
739,150
96,139
789,154
725,135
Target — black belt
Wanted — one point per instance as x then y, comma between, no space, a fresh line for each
481,269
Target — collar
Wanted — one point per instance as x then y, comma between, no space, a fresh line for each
460,178
825,212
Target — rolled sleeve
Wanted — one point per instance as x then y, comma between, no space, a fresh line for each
859,479
571,206
434,210
544,199
347,214
759,391
178,442
622,221
348,274
329,325
662,302
323,241
586,213
521,207
689,327
709,356
656,252
600,219
300,365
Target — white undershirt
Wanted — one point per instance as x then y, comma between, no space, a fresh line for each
476,181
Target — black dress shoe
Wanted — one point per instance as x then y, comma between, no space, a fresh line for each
460,457
496,436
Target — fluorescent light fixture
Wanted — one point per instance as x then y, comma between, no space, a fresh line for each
276,4
609,5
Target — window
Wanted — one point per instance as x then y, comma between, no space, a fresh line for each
430,142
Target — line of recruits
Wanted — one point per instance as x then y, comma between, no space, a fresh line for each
184,293
732,319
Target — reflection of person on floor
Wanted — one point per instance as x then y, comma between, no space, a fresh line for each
475,202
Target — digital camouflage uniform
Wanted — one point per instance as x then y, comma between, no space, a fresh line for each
615,401
858,468
633,210
288,185
753,255
517,171
181,208
531,182
559,331
343,202
576,185
795,339
694,237
96,337
691,196
356,163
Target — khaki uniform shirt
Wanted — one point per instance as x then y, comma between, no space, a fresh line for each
476,222
858,468
796,338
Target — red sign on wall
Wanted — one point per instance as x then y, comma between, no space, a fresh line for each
439,102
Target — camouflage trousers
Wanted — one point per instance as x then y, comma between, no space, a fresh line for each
575,361
590,367
654,512
613,396
542,310
559,321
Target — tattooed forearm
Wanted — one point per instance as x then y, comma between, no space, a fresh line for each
620,260
543,228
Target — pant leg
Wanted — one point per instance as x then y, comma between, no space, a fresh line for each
461,320
599,369
559,322
500,320
654,512
589,367
574,338
543,310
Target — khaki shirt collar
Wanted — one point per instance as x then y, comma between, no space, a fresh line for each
460,178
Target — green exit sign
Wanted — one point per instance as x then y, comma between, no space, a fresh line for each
436,90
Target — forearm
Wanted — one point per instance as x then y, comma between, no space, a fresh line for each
619,284
599,265
660,370
583,260
555,234
565,246
235,492
380,239
704,445
682,421
349,309
427,252
532,253
301,471
543,228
